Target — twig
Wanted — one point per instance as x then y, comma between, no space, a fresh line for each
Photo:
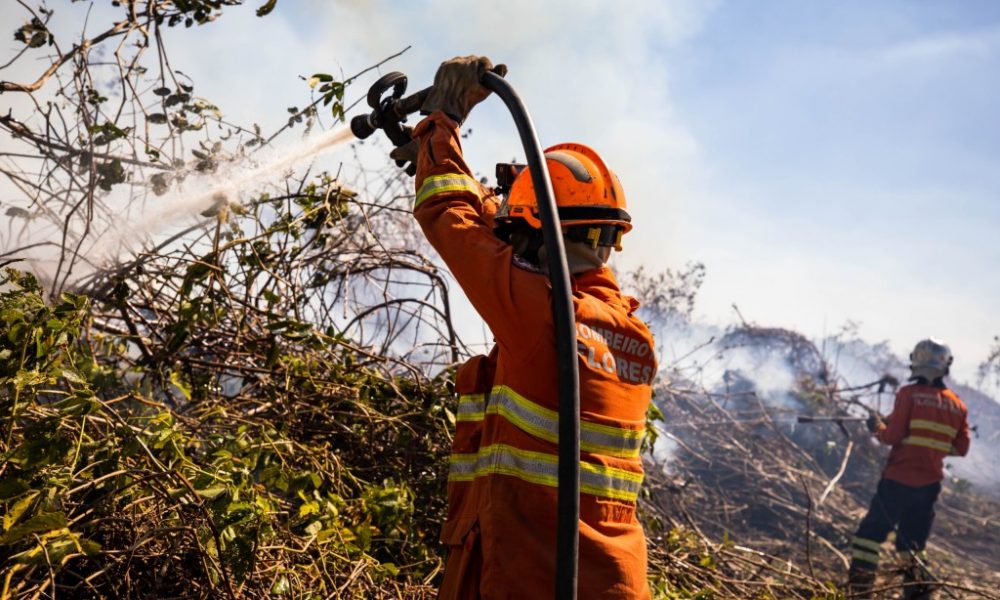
809,509
840,473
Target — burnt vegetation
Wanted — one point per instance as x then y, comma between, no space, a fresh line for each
259,403
774,502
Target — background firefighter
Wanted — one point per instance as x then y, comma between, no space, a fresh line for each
501,523
928,422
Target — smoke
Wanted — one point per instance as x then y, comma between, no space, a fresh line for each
740,367
131,220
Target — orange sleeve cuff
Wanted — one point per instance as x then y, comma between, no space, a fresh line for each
440,149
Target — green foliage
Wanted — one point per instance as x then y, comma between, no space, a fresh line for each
266,8
686,566
653,416
331,92
34,34
989,369
110,173
191,12
104,481
108,132
202,423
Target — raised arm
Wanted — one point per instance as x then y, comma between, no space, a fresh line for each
898,422
456,214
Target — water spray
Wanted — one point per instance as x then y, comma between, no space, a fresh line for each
213,201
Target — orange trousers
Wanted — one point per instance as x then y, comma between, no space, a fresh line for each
462,574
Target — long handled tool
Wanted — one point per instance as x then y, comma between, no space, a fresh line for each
388,114
839,420
825,419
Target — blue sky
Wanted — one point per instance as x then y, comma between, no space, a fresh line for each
827,161
852,151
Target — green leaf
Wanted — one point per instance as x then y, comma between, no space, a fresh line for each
314,527
12,487
180,384
266,8
236,512
33,33
174,99
309,508
281,586
18,510
212,492
110,173
57,549
239,555
40,523
72,376
25,379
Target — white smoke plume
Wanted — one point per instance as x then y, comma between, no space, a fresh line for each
710,359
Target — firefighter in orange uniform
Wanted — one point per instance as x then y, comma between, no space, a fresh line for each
501,523
928,423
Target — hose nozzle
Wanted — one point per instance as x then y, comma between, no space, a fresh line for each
362,126
389,112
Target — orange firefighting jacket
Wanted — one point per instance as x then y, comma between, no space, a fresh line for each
502,472
927,423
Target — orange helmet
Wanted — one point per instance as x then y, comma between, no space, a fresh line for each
587,193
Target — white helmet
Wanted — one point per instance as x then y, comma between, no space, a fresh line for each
931,358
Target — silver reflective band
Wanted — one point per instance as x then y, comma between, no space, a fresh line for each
470,407
543,423
542,469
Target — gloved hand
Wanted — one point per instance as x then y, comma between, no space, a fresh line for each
457,86
873,422
406,155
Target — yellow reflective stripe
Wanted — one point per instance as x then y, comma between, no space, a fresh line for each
917,440
470,407
452,182
933,426
867,557
866,543
543,423
600,480
543,469
462,467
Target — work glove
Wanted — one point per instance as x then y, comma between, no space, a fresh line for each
873,422
457,86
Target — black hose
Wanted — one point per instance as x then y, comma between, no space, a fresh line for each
568,505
